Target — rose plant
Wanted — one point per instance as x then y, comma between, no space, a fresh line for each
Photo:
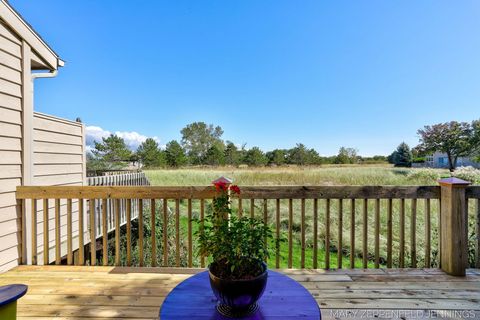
237,246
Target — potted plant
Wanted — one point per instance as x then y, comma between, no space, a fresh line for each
237,248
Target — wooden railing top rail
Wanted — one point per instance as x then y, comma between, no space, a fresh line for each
473,192
248,192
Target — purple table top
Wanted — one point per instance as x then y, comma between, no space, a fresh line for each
284,298
12,293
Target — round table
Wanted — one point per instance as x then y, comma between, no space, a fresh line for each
8,300
284,298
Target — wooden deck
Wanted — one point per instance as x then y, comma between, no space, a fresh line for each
78,292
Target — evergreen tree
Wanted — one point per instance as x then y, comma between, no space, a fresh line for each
175,155
276,157
402,157
232,155
215,155
298,155
112,152
255,157
150,154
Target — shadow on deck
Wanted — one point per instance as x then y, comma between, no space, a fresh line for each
79,292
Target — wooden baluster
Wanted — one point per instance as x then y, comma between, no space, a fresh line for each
93,242
302,226
402,234
129,232
439,228
265,211
165,232
477,233
202,216
189,236
290,240
389,233
58,242
265,216
34,232
104,232
365,234
340,234
252,208
377,233
315,233
81,246
413,234
327,234
240,206
21,211
141,257
428,236
117,232
45,232
352,234
177,232
277,234
69,233
153,232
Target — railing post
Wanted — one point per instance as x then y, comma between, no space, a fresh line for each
453,226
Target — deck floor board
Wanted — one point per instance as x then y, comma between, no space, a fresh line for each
71,292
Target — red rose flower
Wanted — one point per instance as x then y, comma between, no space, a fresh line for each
235,189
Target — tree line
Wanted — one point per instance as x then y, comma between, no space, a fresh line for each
202,144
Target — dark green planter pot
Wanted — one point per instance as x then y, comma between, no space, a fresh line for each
238,298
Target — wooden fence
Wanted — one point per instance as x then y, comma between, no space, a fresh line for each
337,203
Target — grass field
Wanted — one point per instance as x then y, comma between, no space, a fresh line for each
327,175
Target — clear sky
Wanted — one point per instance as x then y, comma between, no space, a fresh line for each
363,74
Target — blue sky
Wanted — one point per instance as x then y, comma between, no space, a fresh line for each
363,74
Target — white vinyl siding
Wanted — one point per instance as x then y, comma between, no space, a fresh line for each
10,145
58,159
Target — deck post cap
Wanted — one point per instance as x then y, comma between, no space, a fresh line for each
223,179
452,181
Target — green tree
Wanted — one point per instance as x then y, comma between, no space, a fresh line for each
175,155
298,155
277,157
456,139
215,155
255,157
150,154
346,156
198,138
232,154
112,152
402,156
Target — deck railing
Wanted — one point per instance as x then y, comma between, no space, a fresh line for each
114,178
367,226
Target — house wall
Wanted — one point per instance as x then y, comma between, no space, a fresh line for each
10,144
440,160
35,149
58,160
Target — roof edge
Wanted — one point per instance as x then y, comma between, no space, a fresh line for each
27,33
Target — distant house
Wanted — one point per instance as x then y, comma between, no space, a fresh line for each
440,160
